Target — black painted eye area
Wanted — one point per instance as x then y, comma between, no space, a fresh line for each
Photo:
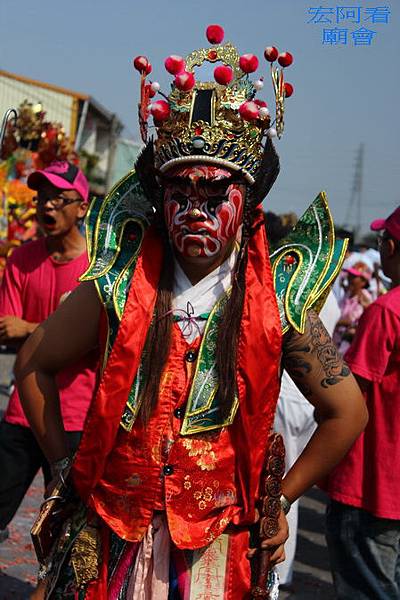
214,202
181,199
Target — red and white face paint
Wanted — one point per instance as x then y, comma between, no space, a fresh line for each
203,211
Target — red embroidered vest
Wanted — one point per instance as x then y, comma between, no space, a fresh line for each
154,467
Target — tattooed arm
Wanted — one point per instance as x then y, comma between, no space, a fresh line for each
312,361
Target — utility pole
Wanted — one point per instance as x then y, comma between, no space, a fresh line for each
356,195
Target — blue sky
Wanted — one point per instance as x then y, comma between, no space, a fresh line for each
344,95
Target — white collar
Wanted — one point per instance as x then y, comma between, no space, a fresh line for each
199,299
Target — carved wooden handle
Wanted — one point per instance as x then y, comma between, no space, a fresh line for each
270,508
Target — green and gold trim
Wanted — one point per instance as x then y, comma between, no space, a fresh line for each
115,228
203,412
306,263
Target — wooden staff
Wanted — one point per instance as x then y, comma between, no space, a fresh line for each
270,508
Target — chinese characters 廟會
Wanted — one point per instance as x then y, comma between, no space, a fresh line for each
348,24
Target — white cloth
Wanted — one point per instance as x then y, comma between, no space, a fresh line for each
373,255
190,301
356,257
150,575
294,419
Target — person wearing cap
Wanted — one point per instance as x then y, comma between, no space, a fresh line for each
38,277
363,516
352,304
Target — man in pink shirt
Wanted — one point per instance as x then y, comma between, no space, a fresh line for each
363,517
38,277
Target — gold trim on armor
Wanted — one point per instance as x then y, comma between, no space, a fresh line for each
84,276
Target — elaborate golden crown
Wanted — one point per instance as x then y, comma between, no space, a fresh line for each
217,122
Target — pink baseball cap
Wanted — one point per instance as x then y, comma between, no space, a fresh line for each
360,269
391,224
63,175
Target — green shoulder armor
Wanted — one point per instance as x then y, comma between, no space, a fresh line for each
115,227
114,232
305,264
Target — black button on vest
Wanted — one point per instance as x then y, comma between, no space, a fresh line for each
168,469
179,413
191,356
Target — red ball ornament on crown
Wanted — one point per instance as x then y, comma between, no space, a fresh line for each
271,53
215,34
260,103
249,111
289,89
185,81
223,74
141,64
248,63
285,59
174,64
160,110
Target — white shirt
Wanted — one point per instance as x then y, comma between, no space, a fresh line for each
193,303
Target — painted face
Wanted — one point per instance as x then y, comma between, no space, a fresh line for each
203,210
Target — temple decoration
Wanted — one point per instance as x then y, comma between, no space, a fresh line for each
29,144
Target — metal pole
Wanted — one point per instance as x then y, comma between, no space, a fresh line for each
81,125
355,203
6,118
359,190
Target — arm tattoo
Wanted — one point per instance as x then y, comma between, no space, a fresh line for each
327,354
312,355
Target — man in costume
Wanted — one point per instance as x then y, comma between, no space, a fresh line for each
194,325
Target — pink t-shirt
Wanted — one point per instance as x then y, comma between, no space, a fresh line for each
367,477
32,288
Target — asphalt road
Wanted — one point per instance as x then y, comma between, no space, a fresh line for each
18,568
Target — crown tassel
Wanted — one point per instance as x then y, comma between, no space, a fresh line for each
282,89
142,64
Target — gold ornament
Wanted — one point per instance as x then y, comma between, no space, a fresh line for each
219,122
85,556
204,124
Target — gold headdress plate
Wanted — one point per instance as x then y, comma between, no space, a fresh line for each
219,122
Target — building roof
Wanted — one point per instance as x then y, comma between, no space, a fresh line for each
105,113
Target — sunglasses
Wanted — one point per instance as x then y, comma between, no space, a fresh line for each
57,202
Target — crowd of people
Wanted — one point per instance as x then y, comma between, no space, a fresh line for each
361,312
153,393
362,315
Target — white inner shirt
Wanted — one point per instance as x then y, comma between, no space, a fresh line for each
193,303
